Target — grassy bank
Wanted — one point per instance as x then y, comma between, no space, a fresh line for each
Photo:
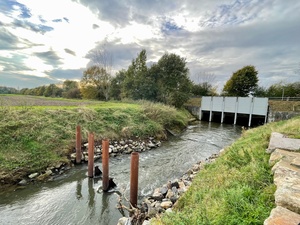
238,188
38,135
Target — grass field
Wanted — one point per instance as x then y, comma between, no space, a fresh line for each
38,132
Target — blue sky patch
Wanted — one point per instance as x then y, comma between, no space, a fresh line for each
170,26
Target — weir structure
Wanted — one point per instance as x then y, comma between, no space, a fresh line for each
234,109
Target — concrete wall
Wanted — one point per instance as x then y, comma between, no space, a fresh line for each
277,116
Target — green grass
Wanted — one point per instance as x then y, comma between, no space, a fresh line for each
238,188
35,137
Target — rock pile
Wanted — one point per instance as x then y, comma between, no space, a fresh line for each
116,148
285,156
49,174
119,147
164,198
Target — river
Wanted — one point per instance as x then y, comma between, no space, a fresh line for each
75,199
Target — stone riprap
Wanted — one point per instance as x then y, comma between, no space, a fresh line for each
164,198
116,148
285,158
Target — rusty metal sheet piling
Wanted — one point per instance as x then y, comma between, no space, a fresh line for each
78,145
105,165
91,155
134,174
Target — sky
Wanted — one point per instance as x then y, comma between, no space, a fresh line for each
48,41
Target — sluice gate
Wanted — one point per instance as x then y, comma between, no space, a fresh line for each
234,109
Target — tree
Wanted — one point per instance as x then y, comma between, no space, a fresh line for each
116,85
53,91
242,82
204,85
89,92
99,74
41,90
70,89
99,78
173,83
8,90
134,82
260,92
280,90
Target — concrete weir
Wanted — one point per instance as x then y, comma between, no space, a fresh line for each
234,109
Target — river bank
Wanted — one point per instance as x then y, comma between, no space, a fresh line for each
117,148
37,137
238,187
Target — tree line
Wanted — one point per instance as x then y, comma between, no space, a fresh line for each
166,81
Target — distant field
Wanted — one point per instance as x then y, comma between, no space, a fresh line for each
24,100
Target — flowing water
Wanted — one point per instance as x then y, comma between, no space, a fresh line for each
75,199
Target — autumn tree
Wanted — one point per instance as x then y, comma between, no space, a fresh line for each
99,73
89,92
99,78
71,89
242,82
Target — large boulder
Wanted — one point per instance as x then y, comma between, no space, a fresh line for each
287,180
282,216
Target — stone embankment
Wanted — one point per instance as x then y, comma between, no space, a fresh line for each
116,148
164,198
285,156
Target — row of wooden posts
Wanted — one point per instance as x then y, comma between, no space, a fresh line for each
134,164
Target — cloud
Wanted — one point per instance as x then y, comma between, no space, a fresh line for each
10,6
66,19
59,74
95,26
20,81
13,63
7,40
57,20
39,28
114,11
70,52
49,57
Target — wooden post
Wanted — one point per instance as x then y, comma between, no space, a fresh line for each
91,155
78,144
134,175
105,165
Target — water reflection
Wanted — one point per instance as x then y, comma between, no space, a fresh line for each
91,196
78,189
